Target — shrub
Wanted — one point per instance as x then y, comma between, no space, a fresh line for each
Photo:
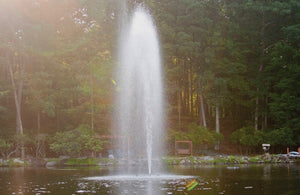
76,142
197,134
12,145
5,147
247,136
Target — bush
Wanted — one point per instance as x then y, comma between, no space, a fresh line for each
282,136
5,147
247,136
76,142
12,145
197,134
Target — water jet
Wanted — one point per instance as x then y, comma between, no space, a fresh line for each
140,97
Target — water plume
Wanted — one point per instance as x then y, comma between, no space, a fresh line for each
140,98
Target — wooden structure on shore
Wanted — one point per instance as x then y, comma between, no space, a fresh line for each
187,150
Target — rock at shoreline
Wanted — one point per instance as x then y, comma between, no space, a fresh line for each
18,161
182,162
51,164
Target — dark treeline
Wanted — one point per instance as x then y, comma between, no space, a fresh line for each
231,67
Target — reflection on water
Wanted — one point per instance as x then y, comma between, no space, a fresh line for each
247,179
143,184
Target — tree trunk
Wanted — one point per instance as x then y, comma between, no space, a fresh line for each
202,110
92,105
19,127
179,108
217,147
217,120
39,121
17,90
266,115
190,72
256,111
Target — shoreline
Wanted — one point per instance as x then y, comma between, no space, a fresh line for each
167,160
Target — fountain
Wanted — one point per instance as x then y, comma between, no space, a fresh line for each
139,110
140,99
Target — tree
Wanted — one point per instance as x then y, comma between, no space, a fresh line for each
15,59
247,137
76,142
197,134
226,63
6,148
284,95
282,79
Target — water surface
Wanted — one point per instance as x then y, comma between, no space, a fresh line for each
247,179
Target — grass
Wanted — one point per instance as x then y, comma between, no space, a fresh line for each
12,163
254,159
218,160
231,159
170,160
82,162
53,160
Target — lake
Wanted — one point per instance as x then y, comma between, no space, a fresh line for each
223,179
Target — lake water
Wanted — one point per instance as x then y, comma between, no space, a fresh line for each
225,179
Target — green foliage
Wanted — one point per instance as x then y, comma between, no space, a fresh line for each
247,136
227,53
12,145
80,162
81,141
231,159
254,159
282,136
283,76
220,160
5,147
197,134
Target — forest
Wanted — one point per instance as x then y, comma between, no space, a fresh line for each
231,73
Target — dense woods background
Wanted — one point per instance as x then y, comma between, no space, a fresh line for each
231,67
